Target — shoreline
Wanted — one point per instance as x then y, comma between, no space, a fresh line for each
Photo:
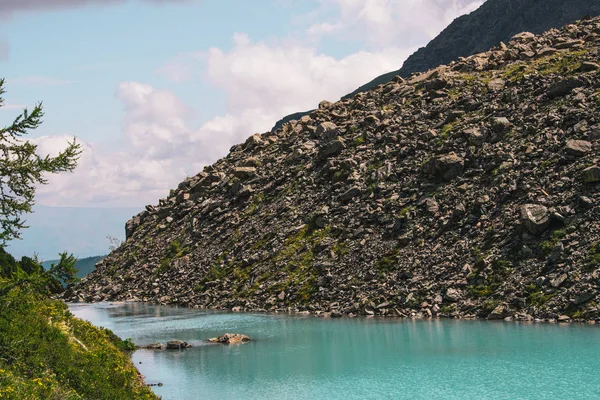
338,315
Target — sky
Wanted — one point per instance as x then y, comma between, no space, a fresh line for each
154,90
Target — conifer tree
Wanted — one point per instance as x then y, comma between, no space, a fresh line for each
21,169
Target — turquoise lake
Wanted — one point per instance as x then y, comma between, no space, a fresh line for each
297,357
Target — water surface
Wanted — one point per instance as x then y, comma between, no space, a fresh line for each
295,357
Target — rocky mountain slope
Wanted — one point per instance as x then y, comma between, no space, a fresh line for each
494,22
469,190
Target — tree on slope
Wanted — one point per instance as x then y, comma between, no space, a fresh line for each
21,169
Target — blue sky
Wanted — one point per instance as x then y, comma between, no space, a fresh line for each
156,89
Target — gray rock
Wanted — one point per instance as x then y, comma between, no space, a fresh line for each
500,124
559,281
244,172
177,345
563,87
578,148
331,148
591,174
452,295
447,167
498,313
588,66
350,194
535,218
327,131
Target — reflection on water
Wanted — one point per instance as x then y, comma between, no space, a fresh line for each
295,357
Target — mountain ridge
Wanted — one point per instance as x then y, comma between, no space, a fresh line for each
493,22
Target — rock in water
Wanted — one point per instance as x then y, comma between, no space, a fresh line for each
177,345
230,338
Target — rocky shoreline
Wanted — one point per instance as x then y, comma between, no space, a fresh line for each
469,191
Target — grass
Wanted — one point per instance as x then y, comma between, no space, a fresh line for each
174,251
560,63
389,262
256,204
46,353
593,257
446,131
555,237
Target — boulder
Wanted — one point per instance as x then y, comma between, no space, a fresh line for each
177,345
131,226
452,295
230,338
500,124
331,148
447,167
327,131
535,218
350,194
578,148
244,172
563,87
591,174
498,313
588,66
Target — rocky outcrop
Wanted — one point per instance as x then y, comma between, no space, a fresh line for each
494,22
471,190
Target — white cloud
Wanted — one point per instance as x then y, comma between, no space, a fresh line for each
388,22
262,80
286,77
182,68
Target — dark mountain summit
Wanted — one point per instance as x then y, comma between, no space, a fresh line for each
469,190
494,22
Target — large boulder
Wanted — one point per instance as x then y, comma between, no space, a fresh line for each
535,218
591,174
578,148
331,148
446,167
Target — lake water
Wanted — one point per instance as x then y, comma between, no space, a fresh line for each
296,357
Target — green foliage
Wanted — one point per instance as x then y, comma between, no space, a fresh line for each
255,204
389,262
538,298
593,257
359,140
46,353
489,305
446,131
555,237
84,266
563,64
65,271
21,169
27,272
174,251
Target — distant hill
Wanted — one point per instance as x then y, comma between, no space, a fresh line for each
494,22
84,265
